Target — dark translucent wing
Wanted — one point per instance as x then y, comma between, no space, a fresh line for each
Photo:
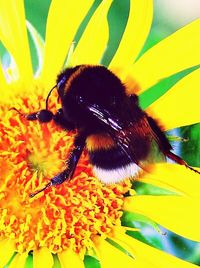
159,136
114,125
142,140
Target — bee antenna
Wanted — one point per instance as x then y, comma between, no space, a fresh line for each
15,109
49,96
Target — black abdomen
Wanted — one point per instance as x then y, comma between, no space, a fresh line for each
109,159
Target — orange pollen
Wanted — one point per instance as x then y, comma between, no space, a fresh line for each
68,215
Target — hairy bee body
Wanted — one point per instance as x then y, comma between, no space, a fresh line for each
99,86
117,133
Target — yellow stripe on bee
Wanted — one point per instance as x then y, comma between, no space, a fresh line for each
99,141
73,76
131,85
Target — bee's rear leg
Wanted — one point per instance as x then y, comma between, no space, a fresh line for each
180,161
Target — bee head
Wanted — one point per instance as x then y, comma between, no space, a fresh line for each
62,79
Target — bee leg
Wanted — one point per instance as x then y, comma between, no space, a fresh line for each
180,161
165,146
67,174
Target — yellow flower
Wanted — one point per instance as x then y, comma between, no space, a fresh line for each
83,216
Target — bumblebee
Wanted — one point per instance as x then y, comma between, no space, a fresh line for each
117,133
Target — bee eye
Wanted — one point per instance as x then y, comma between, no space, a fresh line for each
44,116
79,99
60,111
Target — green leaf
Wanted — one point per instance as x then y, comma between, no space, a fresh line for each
191,149
148,189
7,265
69,55
91,262
56,261
29,261
129,219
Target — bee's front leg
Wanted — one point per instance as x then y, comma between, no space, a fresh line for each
67,174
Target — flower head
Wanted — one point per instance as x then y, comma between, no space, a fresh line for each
83,216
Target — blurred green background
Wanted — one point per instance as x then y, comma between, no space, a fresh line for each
168,17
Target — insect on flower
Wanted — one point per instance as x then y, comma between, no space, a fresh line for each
117,133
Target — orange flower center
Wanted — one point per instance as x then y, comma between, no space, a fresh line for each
68,215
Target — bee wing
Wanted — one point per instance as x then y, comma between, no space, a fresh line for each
115,127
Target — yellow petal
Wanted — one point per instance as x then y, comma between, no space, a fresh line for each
180,105
176,213
13,34
175,53
69,259
19,260
173,177
135,34
110,256
93,41
63,21
154,257
3,84
2,77
42,258
7,249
